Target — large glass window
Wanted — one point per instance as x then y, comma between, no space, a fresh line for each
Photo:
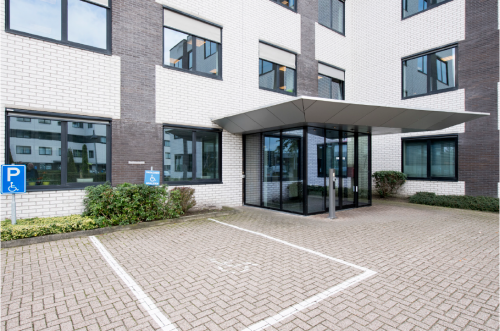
276,77
430,158
287,3
58,160
72,22
331,14
196,155
430,73
180,53
412,7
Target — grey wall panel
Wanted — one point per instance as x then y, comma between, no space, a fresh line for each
351,114
429,120
322,111
265,118
405,119
245,122
379,116
288,113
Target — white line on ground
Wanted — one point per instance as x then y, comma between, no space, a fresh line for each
144,300
312,300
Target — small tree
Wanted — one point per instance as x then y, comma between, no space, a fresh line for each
71,162
387,183
85,161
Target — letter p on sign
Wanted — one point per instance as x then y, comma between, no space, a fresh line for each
12,172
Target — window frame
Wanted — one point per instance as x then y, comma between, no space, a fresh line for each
194,181
295,10
343,20
64,29
193,51
45,150
428,52
429,139
64,118
429,7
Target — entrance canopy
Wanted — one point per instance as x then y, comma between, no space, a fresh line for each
342,115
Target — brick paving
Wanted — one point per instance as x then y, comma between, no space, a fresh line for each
437,269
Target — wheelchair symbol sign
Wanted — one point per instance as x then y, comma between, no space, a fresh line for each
13,179
152,177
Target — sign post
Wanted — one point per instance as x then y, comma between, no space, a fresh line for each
13,182
331,181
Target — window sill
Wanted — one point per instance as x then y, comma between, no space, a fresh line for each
60,42
431,93
71,187
423,11
433,179
340,33
278,91
197,73
187,182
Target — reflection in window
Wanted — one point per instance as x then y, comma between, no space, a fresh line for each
331,14
429,73
45,151
204,165
44,121
330,88
276,77
178,52
411,7
287,3
86,22
415,159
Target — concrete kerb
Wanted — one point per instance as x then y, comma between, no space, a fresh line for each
96,232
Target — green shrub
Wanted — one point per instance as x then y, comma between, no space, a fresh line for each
187,199
130,203
387,183
456,201
35,227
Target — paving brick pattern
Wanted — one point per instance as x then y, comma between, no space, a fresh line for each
437,269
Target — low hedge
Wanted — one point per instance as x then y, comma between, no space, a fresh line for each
35,227
456,201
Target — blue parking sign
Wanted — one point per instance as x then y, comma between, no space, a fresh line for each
13,179
152,177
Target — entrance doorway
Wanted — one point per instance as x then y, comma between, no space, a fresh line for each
288,169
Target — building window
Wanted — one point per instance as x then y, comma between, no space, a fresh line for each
23,150
23,119
276,69
330,82
412,7
430,73
430,158
331,13
44,121
287,3
166,143
180,33
167,156
197,156
78,23
89,126
74,149
45,151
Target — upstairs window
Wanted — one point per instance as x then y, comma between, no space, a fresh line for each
330,82
78,23
291,4
412,7
276,69
180,33
430,73
331,13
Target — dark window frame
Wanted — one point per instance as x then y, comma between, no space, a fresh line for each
64,119
285,6
276,75
342,84
429,7
64,29
429,63
44,121
429,139
192,63
194,181
23,147
45,150
331,23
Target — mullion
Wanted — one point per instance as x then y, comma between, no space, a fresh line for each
193,157
193,47
64,153
429,159
64,20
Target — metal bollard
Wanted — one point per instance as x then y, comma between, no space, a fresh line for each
331,181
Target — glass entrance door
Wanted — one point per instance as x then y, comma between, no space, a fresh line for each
348,173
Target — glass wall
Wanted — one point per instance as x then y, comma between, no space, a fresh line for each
292,178
364,168
271,169
316,170
334,148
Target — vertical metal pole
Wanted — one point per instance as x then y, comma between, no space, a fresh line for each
13,208
331,209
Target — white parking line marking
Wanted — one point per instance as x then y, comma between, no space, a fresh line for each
144,300
312,300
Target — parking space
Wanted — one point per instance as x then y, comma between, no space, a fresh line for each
390,266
